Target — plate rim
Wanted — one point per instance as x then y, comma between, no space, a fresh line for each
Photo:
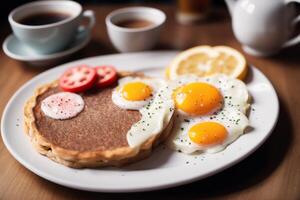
60,181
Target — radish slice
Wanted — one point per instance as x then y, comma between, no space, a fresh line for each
62,105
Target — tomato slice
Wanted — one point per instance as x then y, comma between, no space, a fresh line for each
107,75
78,79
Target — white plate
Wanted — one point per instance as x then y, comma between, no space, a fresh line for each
164,168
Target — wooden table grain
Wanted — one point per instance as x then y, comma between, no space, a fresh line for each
272,172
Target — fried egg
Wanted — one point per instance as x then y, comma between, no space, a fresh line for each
134,92
208,133
152,98
210,113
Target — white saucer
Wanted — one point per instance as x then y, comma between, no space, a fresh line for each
13,48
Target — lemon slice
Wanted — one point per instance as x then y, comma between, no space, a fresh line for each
206,60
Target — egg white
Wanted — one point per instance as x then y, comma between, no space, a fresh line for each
233,91
231,115
123,103
156,111
235,122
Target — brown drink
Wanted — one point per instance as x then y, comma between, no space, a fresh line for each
134,23
43,18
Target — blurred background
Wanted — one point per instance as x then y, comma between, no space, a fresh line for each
203,18
11,4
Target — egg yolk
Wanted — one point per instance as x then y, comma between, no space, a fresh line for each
197,98
208,133
136,91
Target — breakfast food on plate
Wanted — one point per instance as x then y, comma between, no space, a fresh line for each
206,61
78,79
106,76
210,112
152,97
94,117
127,97
211,103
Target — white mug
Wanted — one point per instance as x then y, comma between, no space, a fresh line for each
134,39
264,27
49,38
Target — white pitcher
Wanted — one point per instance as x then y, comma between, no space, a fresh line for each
263,27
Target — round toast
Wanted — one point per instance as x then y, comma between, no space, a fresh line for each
94,138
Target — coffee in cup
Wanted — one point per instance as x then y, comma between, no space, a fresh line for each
48,26
135,23
39,19
134,28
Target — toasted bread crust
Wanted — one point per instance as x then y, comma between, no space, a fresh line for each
82,159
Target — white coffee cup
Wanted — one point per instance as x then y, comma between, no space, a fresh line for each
49,38
135,39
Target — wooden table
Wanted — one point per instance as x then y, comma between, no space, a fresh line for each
272,172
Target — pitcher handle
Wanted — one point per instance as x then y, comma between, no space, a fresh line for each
295,40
